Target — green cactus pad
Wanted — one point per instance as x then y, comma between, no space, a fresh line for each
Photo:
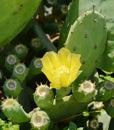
87,36
106,8
14,16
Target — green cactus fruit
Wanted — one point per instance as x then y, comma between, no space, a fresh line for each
20,71
14,111
36,44
40,120
35,66
43,97
87,36
105,91
106,62
109,107
85,92
12,88
16,16
10,61
21,51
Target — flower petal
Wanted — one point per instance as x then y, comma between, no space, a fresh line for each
75,61
46,61
48,73
65,56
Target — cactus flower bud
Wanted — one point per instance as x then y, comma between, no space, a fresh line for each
40,120
109,107
85,92
35,66
20,71
12,88
105,91
43,97
21,51
10,61
14,111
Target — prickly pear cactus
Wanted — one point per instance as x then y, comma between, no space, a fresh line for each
106,8
87,37
14,16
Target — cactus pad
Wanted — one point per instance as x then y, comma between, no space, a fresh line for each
14,16
87,36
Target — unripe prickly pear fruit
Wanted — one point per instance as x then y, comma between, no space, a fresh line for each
10,61
87,36
105,91
16,16
14,111
12,88
40,120
21,51
43,96
85,92
35,66
20,71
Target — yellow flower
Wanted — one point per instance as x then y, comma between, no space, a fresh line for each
61,68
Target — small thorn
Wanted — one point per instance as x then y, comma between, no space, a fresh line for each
74,49
81,22
86,36
95,20
95,46
104,27
94,8
72,31
83,62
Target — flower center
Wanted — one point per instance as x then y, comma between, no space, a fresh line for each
62,70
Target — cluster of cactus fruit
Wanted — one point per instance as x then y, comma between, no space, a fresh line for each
84,27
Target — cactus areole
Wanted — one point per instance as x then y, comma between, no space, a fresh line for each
14,16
